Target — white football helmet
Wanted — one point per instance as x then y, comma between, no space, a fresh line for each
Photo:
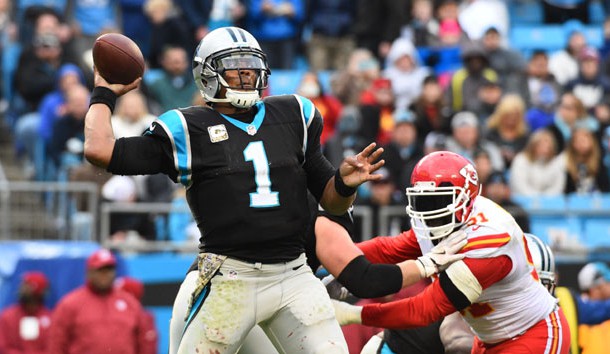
543,259
229,48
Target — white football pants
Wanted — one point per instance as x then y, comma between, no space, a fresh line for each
286,300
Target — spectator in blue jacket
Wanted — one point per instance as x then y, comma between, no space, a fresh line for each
332,39
277,26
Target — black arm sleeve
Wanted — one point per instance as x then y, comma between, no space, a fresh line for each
366,280
457,298
140,155
319,169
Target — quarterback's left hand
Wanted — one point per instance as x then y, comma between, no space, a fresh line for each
355,170
442,255
346,313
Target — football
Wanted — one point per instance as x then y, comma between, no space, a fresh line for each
117,58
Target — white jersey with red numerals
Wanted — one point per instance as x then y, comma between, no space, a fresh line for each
511,305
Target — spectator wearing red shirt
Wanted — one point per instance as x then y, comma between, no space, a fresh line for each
24,327
136,288
97,318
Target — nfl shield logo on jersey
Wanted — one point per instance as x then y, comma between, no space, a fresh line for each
218,133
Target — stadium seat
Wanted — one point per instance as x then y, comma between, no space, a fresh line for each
593,33
588,203
597,14
530,37
283,82
525,12
541,204
152,75
554,229
596,233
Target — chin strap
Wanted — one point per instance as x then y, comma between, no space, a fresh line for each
238,99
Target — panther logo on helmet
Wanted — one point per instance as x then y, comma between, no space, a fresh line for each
229,48
443,188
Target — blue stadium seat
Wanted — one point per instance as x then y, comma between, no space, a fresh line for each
587,203
593,33
151,75
541,203
552,227
597,14
325,78
530,37
525,12
596,232
283,82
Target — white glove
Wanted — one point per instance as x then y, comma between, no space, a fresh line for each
372,346
346,313
442,255
334,288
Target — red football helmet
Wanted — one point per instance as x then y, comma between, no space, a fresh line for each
443,188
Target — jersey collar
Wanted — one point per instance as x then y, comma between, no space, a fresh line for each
253,127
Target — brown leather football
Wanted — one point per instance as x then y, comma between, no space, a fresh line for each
117,58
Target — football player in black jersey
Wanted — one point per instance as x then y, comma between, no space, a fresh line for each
247,165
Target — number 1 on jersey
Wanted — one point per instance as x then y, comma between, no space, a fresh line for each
264,197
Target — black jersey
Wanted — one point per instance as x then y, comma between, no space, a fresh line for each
246,182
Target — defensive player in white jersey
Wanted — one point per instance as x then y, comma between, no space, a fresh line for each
495,287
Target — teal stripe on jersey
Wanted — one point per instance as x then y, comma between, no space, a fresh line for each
257,122
176,128
308,109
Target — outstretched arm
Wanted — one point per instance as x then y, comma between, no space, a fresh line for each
346,262
340,191
99,137
457,288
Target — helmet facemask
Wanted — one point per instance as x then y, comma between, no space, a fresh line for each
548,280
209,74
437,211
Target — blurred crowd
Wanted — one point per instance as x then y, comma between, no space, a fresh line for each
413,75
103,315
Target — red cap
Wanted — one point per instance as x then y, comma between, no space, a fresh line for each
37,282
382,83
101,258
131,285
588,53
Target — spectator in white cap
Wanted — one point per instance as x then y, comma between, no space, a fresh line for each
466,140
594,280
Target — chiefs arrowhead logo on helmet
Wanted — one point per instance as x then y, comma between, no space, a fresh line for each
443,188
470,174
